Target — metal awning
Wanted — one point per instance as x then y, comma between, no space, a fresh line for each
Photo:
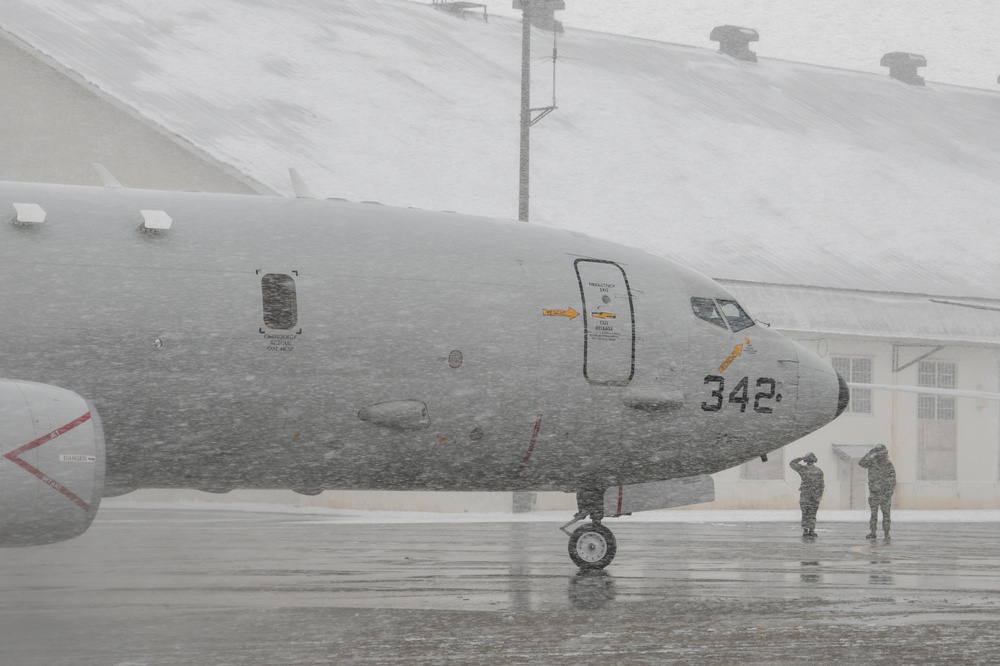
852,452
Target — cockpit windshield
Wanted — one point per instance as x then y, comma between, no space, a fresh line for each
738,319
721,311
705,308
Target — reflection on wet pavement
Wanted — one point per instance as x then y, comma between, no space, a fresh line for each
207,587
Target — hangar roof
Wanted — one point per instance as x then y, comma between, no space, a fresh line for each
769,172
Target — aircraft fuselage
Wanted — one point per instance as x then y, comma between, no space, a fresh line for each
264,342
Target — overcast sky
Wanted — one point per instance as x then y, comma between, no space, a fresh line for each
958,39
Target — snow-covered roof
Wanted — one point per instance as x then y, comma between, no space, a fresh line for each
771,172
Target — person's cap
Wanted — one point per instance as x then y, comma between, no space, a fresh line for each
810,457
880,448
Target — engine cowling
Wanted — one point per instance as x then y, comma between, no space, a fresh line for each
51,463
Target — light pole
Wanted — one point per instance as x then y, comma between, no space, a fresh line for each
542,14
522,193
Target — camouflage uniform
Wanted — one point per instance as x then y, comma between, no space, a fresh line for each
810,491
881,484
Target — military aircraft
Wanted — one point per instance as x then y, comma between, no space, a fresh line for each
156,339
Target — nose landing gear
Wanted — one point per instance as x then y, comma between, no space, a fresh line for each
591,546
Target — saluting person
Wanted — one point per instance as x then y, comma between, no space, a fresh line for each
810,491
881,484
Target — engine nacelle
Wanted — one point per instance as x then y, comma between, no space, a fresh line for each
51,464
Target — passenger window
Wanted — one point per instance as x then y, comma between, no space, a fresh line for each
737,318
280,306
704,308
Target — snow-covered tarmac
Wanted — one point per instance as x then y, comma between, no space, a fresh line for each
265,585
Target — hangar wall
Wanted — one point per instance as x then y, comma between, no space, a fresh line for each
956,466
54,128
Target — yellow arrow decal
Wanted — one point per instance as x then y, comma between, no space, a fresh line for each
571,313
602,315
737,350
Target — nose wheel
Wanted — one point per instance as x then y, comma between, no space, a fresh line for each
592,546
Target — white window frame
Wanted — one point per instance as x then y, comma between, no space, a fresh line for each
937,417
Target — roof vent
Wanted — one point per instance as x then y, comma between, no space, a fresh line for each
903,66
735,41
28,213
459,8
154,221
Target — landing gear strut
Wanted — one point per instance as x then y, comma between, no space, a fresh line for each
591,546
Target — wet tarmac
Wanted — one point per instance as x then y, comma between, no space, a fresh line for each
147,587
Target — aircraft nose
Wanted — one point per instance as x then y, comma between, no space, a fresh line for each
823,394
845,396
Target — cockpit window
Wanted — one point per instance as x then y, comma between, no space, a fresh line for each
721,311
737,318
704,308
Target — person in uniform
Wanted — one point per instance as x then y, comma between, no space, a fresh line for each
881,484
810,491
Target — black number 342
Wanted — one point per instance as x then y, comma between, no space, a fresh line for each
740,394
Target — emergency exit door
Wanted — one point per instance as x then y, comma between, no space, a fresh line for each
609,323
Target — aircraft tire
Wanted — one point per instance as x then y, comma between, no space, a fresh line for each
592,546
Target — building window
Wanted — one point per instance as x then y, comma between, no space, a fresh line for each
859,370
772,470
280,306
937,440
936,374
